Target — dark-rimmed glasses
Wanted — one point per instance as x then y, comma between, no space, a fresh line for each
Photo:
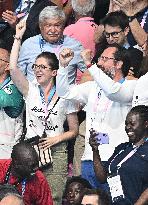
105,58
40,67
112,34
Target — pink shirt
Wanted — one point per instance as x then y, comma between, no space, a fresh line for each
83,30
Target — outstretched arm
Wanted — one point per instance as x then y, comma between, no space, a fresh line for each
114,90
71,92
98,167
18,78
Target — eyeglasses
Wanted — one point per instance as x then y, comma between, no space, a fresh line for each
4,60
113,34
40,67
105,58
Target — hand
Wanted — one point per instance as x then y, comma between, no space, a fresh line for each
93,141
46,143
126,6
66,55
87,56
10,17
113,7
20,29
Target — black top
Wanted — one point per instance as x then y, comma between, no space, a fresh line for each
133,172
139,17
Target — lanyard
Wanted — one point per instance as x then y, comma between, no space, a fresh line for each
125,158
50,111
24,186
51,94
7,179
56,50
106,105
6,81
104,111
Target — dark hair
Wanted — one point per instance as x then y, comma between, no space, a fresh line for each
3,45
121,54
136,57
103,198
7,189
142,110
77,179
51,59
144,66
22,150
117,18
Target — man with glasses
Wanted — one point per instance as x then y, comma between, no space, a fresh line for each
11,105
103,115
116,28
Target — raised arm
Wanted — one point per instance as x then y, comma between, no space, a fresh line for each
129,8
64,90
18,78
114,90
98,167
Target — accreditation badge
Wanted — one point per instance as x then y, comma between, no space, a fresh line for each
115,186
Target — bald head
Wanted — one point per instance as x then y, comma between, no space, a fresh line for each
12,200
24,160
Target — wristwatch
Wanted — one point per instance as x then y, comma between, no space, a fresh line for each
131,18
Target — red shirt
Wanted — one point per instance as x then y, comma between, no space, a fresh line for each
37,191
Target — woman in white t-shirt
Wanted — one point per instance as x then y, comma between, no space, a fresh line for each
41,99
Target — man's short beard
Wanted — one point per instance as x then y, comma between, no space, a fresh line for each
110,73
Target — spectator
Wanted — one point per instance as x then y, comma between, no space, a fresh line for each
95,197
116,28
23,10
9,195
12,200
11,105
46,112
129,160
83,11
100,111
22,172
7,189
51,22
137,12
132,92
74,189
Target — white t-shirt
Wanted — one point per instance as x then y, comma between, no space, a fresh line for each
36,114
